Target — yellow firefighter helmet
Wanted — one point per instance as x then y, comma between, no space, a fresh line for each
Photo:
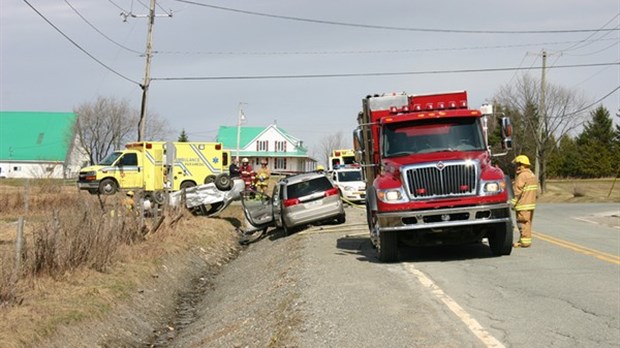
522,159
320,168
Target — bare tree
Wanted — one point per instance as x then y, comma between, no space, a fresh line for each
564,111
107,124
329,143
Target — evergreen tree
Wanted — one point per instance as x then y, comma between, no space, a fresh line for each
564,161
596,146
183,137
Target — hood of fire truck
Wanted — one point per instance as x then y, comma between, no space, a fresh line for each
393,164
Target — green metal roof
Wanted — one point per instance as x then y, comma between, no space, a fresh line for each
227,135
35,136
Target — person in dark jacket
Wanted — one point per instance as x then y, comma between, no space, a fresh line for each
234,169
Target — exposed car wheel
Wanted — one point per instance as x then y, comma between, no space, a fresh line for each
108,187
209,179
159,197
187,184
223,182
500,240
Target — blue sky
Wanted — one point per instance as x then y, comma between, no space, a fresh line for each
41,70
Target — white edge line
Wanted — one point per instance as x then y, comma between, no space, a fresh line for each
467,319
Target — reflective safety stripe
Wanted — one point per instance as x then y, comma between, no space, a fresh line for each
525,240
526,206
513,201
530,188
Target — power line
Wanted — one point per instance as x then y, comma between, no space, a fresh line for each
387,51
384,27
310,76
78,46
100,32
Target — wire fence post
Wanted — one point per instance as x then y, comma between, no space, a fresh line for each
19,244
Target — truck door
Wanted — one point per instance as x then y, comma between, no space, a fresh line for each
129,171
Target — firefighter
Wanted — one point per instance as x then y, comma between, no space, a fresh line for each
247,173
320,169
262,177
524,202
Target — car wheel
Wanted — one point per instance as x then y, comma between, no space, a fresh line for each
108,187
187,184
223,182
341,219
209,179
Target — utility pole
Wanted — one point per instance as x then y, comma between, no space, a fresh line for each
542,119
147,70
240,119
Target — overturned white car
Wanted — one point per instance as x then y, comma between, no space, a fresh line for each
207,199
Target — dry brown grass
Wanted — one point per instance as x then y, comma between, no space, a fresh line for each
582,191
80,260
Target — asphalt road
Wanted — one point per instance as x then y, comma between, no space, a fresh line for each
564,291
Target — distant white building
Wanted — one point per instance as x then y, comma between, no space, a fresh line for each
284,153
39,145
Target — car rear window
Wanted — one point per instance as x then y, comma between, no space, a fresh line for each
308,187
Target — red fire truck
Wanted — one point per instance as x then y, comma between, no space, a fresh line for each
428,171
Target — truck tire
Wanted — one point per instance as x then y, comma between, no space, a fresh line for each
387,248
209,179
223,182
500,240
108,187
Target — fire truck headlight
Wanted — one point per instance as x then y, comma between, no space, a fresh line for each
491,187
392,195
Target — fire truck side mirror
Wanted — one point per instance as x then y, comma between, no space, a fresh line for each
358,139
506,128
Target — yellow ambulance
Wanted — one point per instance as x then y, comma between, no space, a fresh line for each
341,158
155,166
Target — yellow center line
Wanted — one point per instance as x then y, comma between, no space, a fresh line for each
579,248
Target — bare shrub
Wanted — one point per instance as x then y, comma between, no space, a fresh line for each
85,236
7,279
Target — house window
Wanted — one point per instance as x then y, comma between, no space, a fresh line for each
280,163
280,146
262,145
17,169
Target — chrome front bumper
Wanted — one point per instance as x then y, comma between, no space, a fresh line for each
443,218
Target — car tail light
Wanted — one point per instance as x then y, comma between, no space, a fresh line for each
291,202
332,191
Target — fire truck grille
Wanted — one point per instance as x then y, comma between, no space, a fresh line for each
442,179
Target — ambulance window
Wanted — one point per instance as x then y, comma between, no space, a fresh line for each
224,159
129,159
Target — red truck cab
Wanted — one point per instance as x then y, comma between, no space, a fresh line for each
429,176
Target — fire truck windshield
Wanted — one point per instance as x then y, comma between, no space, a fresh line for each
432,135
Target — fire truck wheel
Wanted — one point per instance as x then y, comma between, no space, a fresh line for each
187,184
108,187
500,240
223,182
209,179
387,248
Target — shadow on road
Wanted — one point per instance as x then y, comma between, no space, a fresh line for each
363,249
